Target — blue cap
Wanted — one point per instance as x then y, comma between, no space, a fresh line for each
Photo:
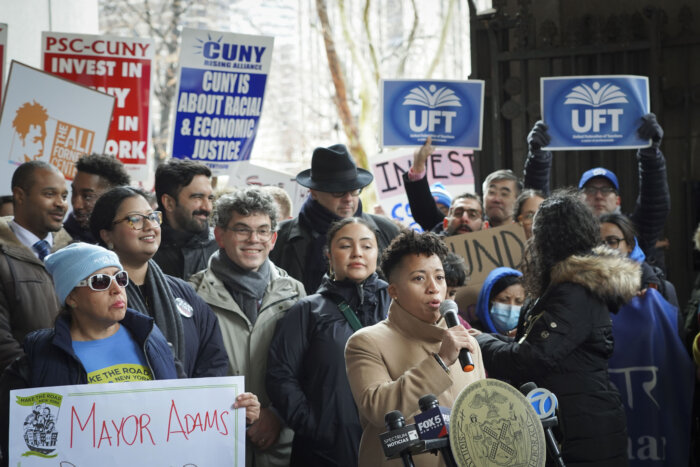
76,262
598,172
441,194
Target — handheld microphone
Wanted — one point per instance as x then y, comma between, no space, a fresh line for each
448,309
545,404
434,423
400,437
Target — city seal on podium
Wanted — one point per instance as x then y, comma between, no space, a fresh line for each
492,424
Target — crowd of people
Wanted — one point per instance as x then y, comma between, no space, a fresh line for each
333,316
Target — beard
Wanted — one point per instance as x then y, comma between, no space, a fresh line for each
188,223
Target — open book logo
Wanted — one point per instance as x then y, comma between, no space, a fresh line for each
596,95
432,97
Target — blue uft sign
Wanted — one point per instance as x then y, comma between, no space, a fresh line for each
594,112
448,111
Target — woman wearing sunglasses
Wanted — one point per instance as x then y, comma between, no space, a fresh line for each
96,338
125,223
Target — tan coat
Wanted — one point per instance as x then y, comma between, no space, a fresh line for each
390,366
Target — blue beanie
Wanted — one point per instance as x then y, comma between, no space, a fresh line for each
441,194
76,262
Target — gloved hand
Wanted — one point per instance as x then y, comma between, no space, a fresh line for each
650,129
538,137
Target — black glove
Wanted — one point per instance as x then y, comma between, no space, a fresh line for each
538,137
650,129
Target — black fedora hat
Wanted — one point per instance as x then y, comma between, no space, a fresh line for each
333,170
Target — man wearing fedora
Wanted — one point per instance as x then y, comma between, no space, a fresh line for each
335,184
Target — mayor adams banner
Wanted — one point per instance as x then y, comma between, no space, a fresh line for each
594,112
178,422
451,112
220,96
50,119
120,67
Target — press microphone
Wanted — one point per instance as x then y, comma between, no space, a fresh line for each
400,437
448,309
434,423
545,404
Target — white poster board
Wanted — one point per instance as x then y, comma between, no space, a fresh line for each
170,422
50,119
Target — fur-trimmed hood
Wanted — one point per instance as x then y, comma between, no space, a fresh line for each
611,277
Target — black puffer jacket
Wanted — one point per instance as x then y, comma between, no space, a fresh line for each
182,254
306,378
566,343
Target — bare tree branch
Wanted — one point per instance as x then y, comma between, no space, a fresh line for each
409,42
370,41
437,56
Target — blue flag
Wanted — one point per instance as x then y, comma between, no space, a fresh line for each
594,112
656,379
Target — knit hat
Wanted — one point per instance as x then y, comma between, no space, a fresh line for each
441,194
76,262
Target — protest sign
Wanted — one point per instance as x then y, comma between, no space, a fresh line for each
594,112
178,422
120,67
51,119
3,47
484,251
452,168
220,96
449,111
248,174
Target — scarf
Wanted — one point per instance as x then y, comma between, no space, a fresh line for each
160,305
317,220
246,287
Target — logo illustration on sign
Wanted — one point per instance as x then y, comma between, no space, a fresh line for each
431,98
39,428
596,96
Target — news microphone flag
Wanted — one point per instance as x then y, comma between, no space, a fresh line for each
434,421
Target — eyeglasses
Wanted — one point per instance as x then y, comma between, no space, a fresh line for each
351,193
136,221
244,233
594,190
612,241
101,282
526,218
472,214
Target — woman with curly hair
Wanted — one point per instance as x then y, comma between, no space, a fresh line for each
411,353
566,338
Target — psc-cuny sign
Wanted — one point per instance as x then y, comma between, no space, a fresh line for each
594,112
220,96
50,119
120,67
451,112
451,167
3,48
178,422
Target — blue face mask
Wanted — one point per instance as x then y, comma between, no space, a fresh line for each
504,317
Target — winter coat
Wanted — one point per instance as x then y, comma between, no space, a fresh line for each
564,346
293,240
306,376
27,297
653,203
182,254
248,344
77,232
204,346
390,366
51,361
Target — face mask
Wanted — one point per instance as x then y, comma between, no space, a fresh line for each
504,317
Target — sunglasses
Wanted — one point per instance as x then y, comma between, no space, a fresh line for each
101,282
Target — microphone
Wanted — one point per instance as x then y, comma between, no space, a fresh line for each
400,437
434,423
545,404
448,309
